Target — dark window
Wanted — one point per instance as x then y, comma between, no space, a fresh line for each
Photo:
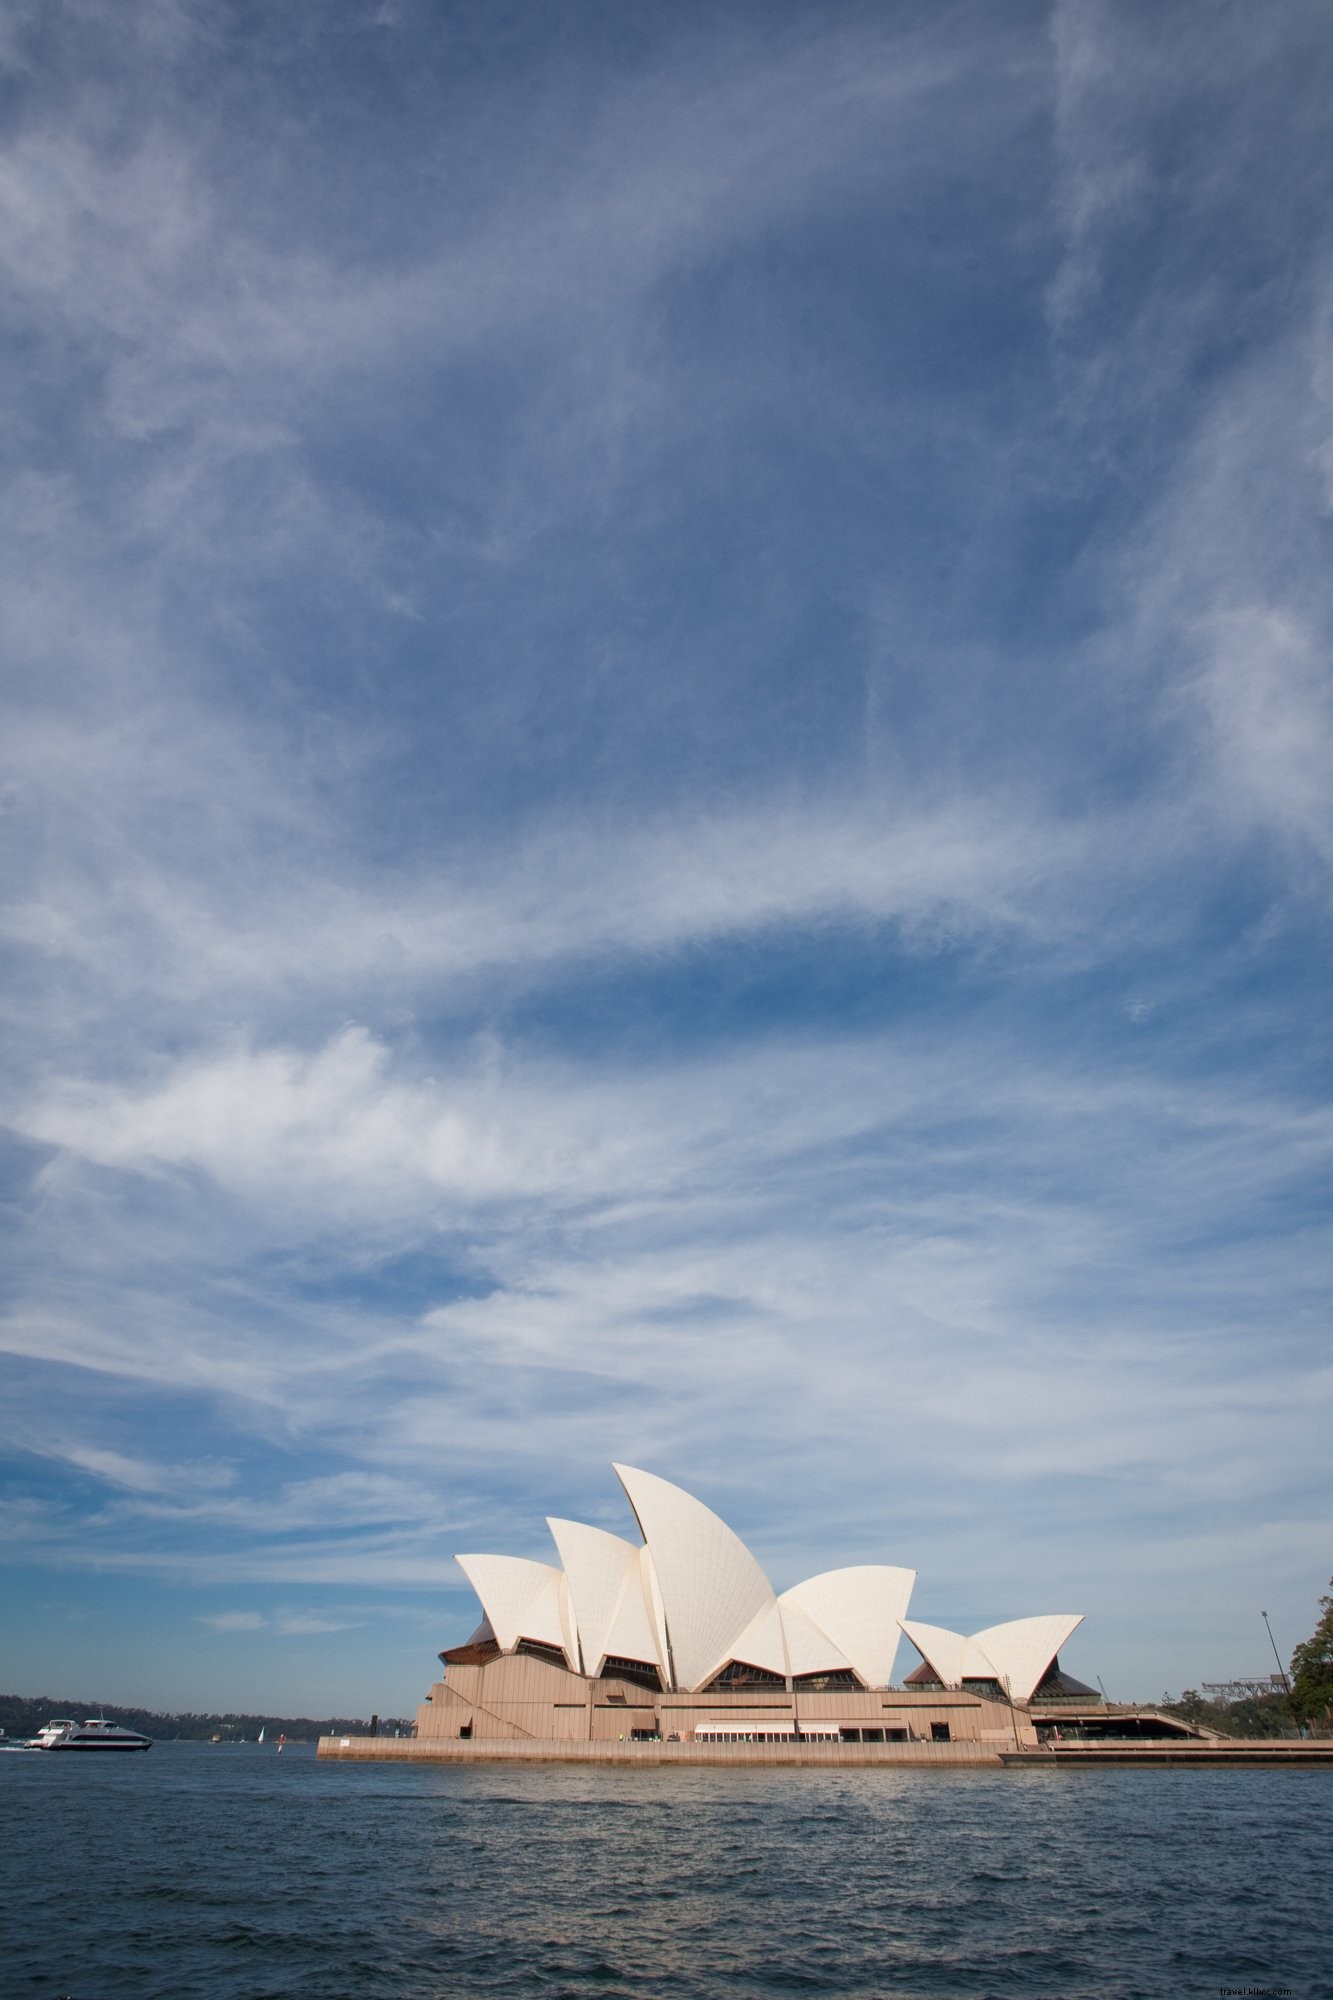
840,1677
465,1731
850,1735
923,1676
739,1673
474,1654
637,1672
533,1649
939,1732
896,1736
872,1735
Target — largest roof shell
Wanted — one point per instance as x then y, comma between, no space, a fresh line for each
712,1588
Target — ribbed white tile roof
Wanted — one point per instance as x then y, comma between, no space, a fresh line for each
941,1649
859,1609
1016,1654
712,1587
1023,1649
606,1585
809,1649
762,1644
523,1600
639,1629
693,1598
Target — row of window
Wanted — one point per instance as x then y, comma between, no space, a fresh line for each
939,1733
738,1675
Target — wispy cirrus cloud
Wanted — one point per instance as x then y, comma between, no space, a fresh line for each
139,1475
233,1621
294,1625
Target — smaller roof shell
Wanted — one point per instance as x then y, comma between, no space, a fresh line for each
524,1600
762,1644
859,1609
1016,1654
941,1649
809,1648
607,1586
1023,1649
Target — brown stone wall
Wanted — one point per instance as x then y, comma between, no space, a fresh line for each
521,1698
820,1756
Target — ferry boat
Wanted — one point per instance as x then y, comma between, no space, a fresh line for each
94,1734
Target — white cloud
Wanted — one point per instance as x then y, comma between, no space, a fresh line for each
1266,693
142,1475
308,1625
286,1624
208,324
972,869
983,1256
1106,172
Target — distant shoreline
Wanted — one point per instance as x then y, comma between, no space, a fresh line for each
24,1715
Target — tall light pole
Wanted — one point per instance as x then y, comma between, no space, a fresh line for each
1276,1655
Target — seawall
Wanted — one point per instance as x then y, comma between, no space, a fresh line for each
1234,1752
825,1756
496,1750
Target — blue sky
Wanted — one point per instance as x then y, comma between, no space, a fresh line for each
667,746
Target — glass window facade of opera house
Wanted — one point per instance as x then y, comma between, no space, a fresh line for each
680,1637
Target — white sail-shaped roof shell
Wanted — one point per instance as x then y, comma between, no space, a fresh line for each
945,1651
652,1597
1016,1654
809,1649
693,1598
609,1590
523,1600
638,1631
859,1610
1022,1650
712,1588
761,1644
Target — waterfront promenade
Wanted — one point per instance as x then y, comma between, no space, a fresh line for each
824,1756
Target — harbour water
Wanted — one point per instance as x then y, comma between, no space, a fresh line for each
215,1872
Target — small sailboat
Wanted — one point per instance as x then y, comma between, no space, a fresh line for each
260,1737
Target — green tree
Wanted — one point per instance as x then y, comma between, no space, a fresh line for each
1312,1670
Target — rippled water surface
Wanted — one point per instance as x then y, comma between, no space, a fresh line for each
229,1873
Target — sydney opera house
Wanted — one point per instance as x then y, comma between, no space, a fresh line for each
681,1637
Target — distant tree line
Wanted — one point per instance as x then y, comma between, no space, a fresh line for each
23,1715
1253,1715
1312,1671
1309,1705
